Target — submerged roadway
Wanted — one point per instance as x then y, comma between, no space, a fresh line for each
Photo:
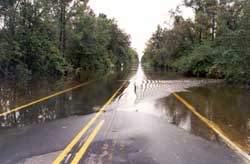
125,130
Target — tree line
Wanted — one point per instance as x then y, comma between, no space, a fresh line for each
215,44
58,37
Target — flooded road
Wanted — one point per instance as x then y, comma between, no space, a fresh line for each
80,101
227,106
146,99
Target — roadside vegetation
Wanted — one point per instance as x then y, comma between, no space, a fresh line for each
215,44
58,37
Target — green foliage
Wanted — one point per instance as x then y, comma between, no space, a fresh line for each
216,44
168,44
57,38
198,63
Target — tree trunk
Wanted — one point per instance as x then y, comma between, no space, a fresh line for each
200,35
62,37
213,27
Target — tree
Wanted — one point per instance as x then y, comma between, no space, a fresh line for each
33,38
215,44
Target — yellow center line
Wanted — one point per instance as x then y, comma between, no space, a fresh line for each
215,128
62,155
85,146
45,98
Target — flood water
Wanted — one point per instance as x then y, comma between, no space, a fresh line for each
227,106
81,101
148,92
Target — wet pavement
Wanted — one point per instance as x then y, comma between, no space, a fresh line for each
143,124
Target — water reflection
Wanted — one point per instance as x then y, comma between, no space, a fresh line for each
147,92
227,106
150,93
176,113
84,100
143,89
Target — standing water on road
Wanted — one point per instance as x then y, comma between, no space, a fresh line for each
81,101
151,92
148,91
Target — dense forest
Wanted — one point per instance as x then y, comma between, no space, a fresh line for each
215,44
58,37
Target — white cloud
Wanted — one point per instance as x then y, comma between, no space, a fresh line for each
139,18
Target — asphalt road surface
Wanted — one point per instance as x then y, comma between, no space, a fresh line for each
125,130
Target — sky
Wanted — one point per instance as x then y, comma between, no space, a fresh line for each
138,18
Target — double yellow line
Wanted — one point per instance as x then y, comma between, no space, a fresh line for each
215,128
69,147
85,146
46,98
